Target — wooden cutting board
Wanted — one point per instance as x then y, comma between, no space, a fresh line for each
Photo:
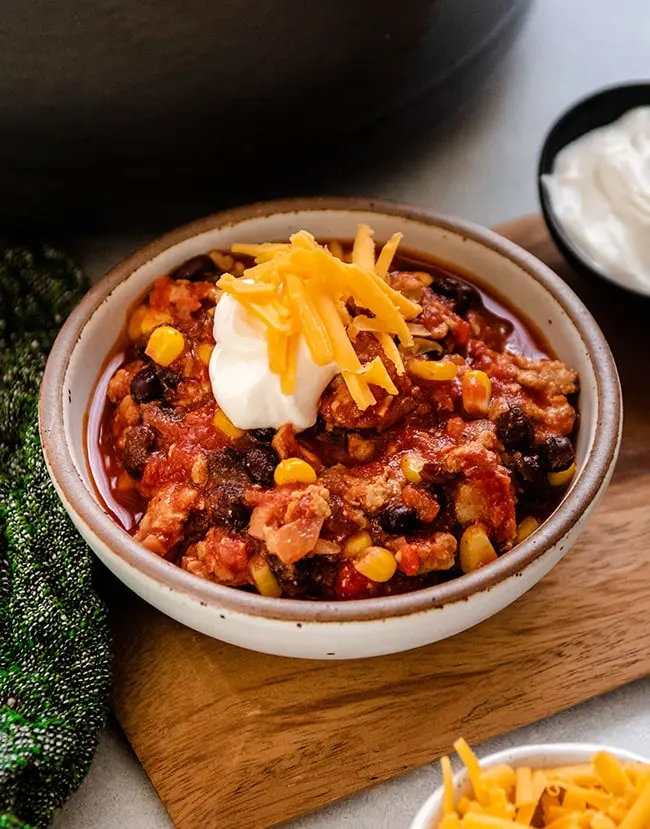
236,739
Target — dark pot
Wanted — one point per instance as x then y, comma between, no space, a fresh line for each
144,101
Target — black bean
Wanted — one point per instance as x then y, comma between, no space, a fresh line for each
260,463
530,474
147,385
515,429
398,519
197,524
263,435
138,444
462,294
170,378
337,435
226,509
225,460
196,269
309,577
293,581
238,516
441,494
557,453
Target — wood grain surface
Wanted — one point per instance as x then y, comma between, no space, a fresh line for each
236,739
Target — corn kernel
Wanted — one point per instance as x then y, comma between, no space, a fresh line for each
224,261
563,477
411,465
294,471
476,549
204,352
152,319
263,578
165,345
526,527
477,393
433,369
357,543
224,424
135,322
425,278
376,564
424,345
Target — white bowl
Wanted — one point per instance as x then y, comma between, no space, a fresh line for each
334,630
537,756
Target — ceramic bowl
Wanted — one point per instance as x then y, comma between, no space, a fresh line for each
335,630
594,111
547,756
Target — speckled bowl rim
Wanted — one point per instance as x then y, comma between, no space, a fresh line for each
588,482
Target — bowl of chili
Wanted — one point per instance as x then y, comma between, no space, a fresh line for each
416,518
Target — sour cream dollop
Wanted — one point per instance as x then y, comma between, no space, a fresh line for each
243,384
600,192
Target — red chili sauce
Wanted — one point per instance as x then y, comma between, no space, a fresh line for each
441,478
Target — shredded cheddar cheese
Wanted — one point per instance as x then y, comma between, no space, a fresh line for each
603,794
301,289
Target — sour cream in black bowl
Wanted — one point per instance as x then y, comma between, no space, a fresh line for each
594,185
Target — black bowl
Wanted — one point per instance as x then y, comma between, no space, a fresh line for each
591,112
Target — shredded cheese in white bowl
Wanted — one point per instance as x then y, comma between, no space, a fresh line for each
555,786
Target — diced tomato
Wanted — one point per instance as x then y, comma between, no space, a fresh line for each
408,560
350,584
462,333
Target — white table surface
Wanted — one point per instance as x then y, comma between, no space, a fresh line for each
480,166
